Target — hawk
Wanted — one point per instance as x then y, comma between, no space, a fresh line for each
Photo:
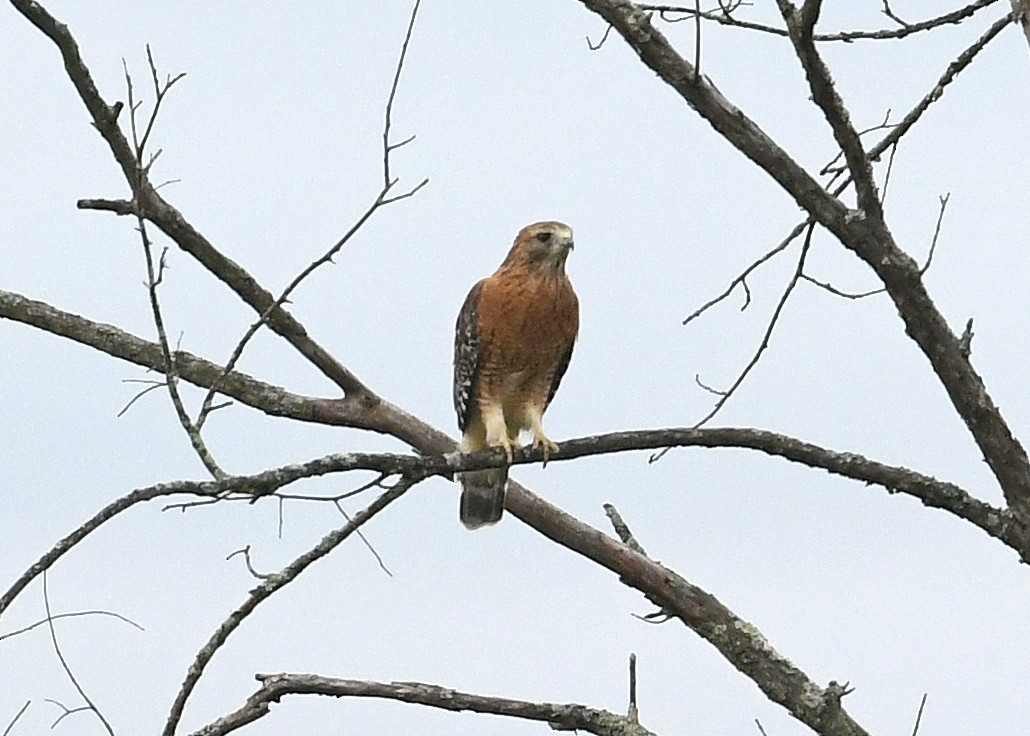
512,345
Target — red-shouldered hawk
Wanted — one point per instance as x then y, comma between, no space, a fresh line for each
512,345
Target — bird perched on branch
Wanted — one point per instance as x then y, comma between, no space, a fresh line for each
512,345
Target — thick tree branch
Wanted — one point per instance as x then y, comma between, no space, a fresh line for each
562,717
350,411
867,237
736,639
930,491
801,25
276,401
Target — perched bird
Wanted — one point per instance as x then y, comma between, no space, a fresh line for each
512,345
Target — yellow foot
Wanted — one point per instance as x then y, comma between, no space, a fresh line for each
546,446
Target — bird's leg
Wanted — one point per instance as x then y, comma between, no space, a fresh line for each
497,431
547,446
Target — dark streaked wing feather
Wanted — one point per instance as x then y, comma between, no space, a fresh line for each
466,355
559,373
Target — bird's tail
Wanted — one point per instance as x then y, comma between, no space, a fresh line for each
482,496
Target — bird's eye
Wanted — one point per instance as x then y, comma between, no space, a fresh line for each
543,237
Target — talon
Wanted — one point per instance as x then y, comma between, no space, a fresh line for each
509,448
547,447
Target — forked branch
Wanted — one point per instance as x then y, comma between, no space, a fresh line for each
863,232
271,585
148,202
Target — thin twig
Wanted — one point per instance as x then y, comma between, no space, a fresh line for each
153,385
827,286
155,273
887,175
72,614
633,712
160,91
154,276
270,586
919,716
246,558
364,540
936,234
890,14
597,46
10,726
742,278
65,711
381,200
724,18
64,662
388,116
697,39
798,271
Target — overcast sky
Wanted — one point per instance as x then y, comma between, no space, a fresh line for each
274,140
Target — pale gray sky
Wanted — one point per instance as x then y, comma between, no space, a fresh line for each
275,138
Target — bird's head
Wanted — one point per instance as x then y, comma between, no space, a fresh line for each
543,245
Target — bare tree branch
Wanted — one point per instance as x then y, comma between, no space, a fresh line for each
382,199
622,529
728,19
890,141
742,278
799,269
147,202
21,711
961,62
71,614
934,493
1021,15
58,550
272,400
272,584
561,717
824,94
64,663
736,639
865,235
